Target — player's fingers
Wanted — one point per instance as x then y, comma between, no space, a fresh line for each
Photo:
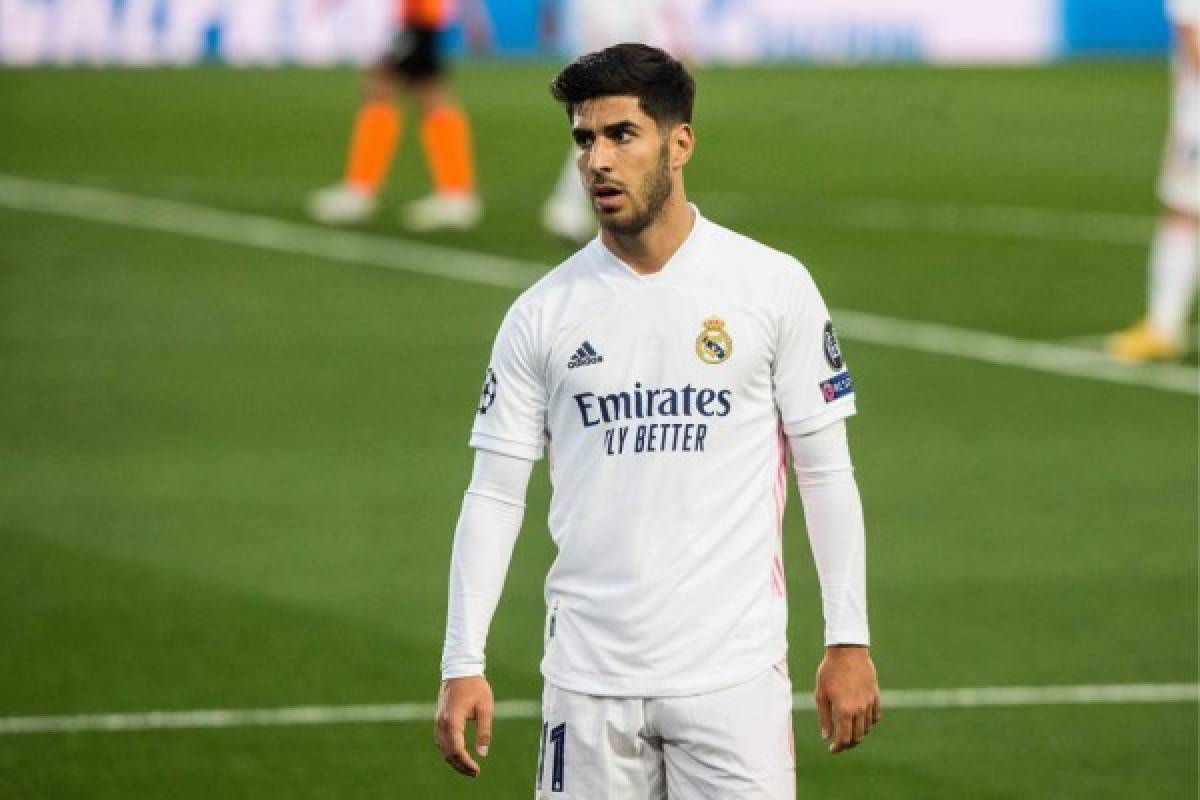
460,759
876,710
869,715
463,765
452,743
843,730
847,728
439,735
824,715
860,727
483,728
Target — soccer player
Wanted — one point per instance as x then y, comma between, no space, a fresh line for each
590,25
668,367
414,65
1175,252
587,26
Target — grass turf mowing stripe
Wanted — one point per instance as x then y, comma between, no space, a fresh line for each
365,249
988,696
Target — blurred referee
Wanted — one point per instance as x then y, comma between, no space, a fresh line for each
413,66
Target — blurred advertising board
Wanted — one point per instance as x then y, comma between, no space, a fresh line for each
733,31
941,31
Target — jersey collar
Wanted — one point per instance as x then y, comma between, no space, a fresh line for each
676,263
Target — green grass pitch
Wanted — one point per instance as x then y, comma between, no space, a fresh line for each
229,477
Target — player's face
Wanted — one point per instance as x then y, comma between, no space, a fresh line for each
624,160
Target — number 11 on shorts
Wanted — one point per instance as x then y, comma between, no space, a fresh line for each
558,756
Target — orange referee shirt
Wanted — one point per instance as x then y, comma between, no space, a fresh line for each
437,14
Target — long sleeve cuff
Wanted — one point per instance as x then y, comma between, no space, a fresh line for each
492,510
834,518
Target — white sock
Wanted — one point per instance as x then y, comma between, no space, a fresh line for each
1173,268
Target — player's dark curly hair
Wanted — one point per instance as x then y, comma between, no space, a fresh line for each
664,89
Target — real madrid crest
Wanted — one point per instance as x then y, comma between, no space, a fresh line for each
714,345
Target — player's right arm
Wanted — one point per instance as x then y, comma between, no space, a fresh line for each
492,510
508,436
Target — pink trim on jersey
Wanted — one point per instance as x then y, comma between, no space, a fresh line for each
778,577
777,586
791,742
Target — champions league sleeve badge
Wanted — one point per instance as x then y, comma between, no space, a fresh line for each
840,384
714,345
833,351
836,387
488,395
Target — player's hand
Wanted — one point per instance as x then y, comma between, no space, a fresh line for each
847,696
459,700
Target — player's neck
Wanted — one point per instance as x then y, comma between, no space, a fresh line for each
649,251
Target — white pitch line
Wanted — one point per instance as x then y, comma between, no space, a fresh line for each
997,221
230,227
1057,359
982,697
363,249
1096,341
1002,696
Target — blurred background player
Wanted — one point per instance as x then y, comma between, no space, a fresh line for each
1176,249
414,65
588,26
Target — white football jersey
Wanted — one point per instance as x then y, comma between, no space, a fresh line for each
663,402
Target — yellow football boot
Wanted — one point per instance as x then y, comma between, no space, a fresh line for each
1141,343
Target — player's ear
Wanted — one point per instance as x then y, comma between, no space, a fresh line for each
683,143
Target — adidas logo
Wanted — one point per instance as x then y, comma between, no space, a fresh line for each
585,356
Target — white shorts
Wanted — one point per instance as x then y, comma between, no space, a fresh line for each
735,743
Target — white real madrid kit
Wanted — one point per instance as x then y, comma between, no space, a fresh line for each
664,405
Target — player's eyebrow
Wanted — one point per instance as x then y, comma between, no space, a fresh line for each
624,126
583,133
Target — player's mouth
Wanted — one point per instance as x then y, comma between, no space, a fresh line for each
606,196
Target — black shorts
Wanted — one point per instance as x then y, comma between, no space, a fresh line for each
416,53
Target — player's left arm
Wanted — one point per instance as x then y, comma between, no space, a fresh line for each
1187,36
1184,16
847,691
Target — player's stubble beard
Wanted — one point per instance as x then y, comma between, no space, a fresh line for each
655,190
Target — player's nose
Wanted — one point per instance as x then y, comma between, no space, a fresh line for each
600,157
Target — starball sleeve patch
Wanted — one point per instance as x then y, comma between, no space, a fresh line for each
487,395
833,351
